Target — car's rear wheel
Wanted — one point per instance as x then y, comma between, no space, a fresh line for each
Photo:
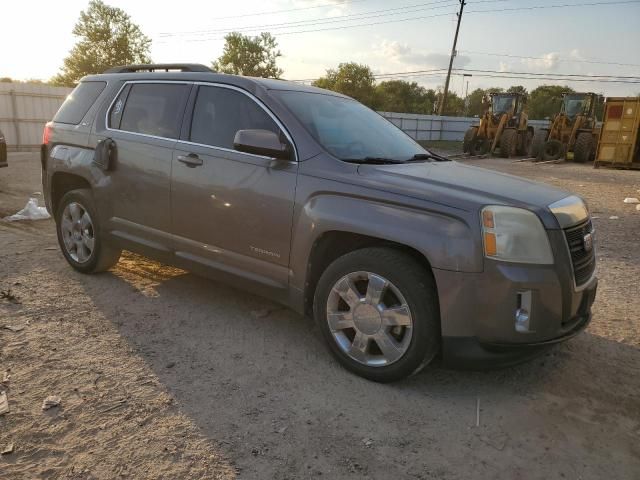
378,310
79,234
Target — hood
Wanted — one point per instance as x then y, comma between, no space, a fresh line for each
464,186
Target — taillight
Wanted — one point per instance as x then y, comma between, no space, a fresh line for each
46,133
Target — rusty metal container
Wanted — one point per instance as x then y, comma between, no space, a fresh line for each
619,143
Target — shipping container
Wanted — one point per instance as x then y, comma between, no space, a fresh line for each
619,143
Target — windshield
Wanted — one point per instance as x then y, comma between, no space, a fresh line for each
347,129
574,105
502,104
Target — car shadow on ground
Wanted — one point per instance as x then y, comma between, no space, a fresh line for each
258,379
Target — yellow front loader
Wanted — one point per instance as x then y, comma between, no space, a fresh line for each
573,131
503,125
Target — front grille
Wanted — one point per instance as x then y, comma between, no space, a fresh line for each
583,260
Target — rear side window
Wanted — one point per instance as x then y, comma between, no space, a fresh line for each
220,112
151,108
78,103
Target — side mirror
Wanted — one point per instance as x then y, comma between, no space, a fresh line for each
261,142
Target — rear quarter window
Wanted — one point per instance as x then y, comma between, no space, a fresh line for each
78,103
151,109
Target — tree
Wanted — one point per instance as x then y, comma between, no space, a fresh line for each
402,96
249,56
107,38
351,79
517,89
454,106
545,100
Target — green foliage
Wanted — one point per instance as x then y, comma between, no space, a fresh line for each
517,89
249,56
352,79
404,97
454,106
545,100
107,38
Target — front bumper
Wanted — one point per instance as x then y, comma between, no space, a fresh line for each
473,353
478,310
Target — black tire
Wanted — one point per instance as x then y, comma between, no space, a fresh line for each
480,146
524,144
418,289
103,255
508,143
537,143
553,150
583,149
469,139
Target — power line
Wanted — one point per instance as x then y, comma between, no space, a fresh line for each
563,77
272,12
559,59
633,77
341,27
321,21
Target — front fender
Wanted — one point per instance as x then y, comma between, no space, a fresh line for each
447,241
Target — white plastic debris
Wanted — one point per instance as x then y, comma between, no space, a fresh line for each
613,217
31,211
631,200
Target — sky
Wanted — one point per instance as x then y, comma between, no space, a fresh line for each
389,36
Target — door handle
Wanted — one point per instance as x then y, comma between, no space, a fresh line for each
191,160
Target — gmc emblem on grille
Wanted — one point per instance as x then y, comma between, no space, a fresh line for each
587,240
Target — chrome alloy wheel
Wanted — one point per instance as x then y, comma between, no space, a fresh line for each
369,319
77,232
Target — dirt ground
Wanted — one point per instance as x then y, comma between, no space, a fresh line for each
162,374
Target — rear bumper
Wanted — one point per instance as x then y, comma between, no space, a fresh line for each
476,354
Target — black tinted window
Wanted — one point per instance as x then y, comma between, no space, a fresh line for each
154,109
78,103
115,115
220,112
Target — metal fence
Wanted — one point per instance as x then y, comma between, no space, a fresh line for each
24,109
434,127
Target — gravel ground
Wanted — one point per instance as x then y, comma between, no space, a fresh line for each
162,374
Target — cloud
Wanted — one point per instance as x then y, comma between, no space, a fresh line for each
337,8
549,61
403,54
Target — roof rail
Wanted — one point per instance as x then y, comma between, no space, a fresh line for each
155,67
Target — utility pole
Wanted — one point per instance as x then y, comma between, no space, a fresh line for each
453,55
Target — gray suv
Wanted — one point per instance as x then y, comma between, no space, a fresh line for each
311,199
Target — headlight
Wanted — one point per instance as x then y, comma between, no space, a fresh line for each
514,235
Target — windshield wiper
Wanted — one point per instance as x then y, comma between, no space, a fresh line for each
373,160
428,156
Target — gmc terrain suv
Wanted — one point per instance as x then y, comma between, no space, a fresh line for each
308,197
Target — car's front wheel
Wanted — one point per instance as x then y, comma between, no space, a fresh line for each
378,310
79,234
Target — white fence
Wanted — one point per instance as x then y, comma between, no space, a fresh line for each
24,109
434,127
